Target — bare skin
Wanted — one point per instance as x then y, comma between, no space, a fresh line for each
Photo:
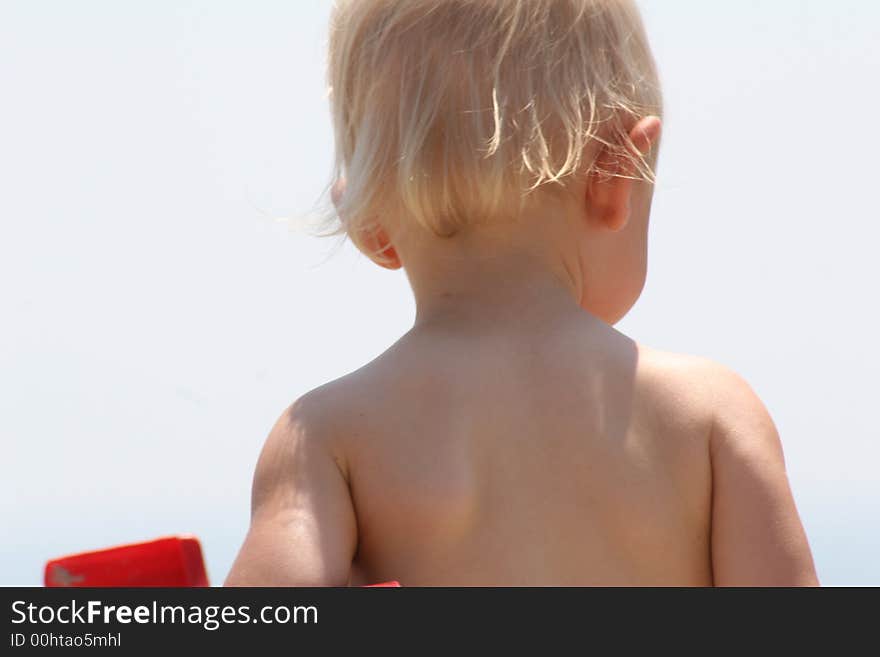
514,437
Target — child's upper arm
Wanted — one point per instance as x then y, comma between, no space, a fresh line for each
757,536
303,530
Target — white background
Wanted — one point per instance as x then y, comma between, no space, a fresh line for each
156,319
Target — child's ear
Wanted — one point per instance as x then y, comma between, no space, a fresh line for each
610,186
337,191
374,242
376,245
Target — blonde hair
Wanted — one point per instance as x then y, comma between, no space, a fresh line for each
453,112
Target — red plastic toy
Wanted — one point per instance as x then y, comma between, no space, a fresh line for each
171,561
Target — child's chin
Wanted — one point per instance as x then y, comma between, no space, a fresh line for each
613,310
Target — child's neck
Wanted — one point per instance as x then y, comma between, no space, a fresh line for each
509,276
507,291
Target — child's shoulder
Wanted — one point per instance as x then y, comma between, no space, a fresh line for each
709,392
676,370
326,417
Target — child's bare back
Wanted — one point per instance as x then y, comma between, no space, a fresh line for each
513,436
563,456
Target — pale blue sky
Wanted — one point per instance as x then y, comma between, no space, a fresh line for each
156,319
